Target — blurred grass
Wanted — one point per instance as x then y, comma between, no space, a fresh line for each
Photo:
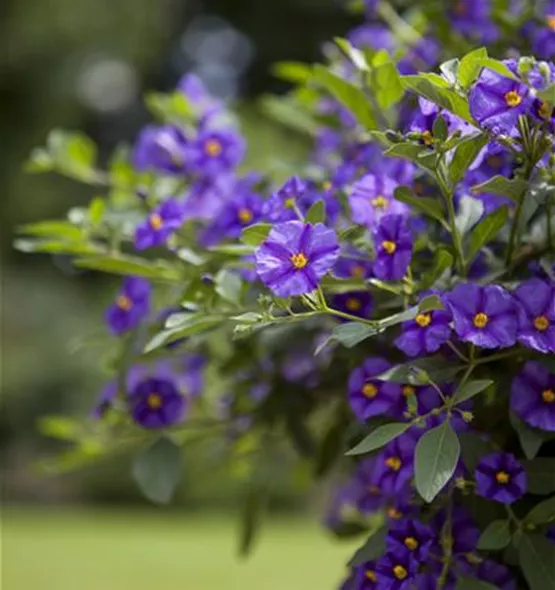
101,550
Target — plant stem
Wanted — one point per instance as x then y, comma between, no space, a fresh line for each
456,236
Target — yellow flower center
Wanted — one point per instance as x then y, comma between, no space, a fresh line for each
299,260
548,396
393,513
156,222
545,110
353,304
411,543
370,575
369,390
502,477
327,185
513,98
394,463
357,271
541,323
408,390
380,202
389,246
427,138
290,203
400,572
551,21
480,320
213,148
245,215
124,302
154,401
423,319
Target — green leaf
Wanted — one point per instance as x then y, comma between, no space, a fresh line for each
291,71
421,371
537,559
414,152
229,286
497,66
429,303
427,206
464,583
352,333
53,229
173,107
542,513
449,70
547,94
316,213
496,536
464,154
251,517
96,209
470,389
195,324
379,437
440,129
384,80
157,470
436,456
254,234
356,56
57,247
289,113
433,88
443,260
541,475
60,427
530,439
513,188
486,230
127,265
470,66
373,548
349,95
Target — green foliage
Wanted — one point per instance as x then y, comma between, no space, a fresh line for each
496,536
537,556
379,437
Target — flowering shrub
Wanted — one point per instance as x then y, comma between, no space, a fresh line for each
388,311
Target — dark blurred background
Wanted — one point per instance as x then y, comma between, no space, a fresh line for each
84,65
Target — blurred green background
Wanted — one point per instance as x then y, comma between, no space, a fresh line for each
84,65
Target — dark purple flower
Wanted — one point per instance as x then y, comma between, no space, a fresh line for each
295,256
372,197
393,244
366,577
280,206
497,574
156,403
160,148
106,399
543,37
215,151
472,18
369,396
485,316
161,223
197,94
409,535
425,334
357,303
533,396
500,477
420,57
132,304
394,467
397,571
353,264
207,196
536,315
372,37
496,102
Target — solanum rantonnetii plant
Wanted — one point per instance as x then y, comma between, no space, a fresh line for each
387,311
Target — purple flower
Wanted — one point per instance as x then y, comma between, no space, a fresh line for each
366,577
369,396
353,264
419,57
357,303
372,198
393,468
295,256
497,574
409,535
472,18
161,223
397,571
280,206
543,37
496,102
160,148
106,399
500,477
425,334
215,151
372,37
533,396
156,403
132,304
536,315
194,89
393,244
485,316
429,400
